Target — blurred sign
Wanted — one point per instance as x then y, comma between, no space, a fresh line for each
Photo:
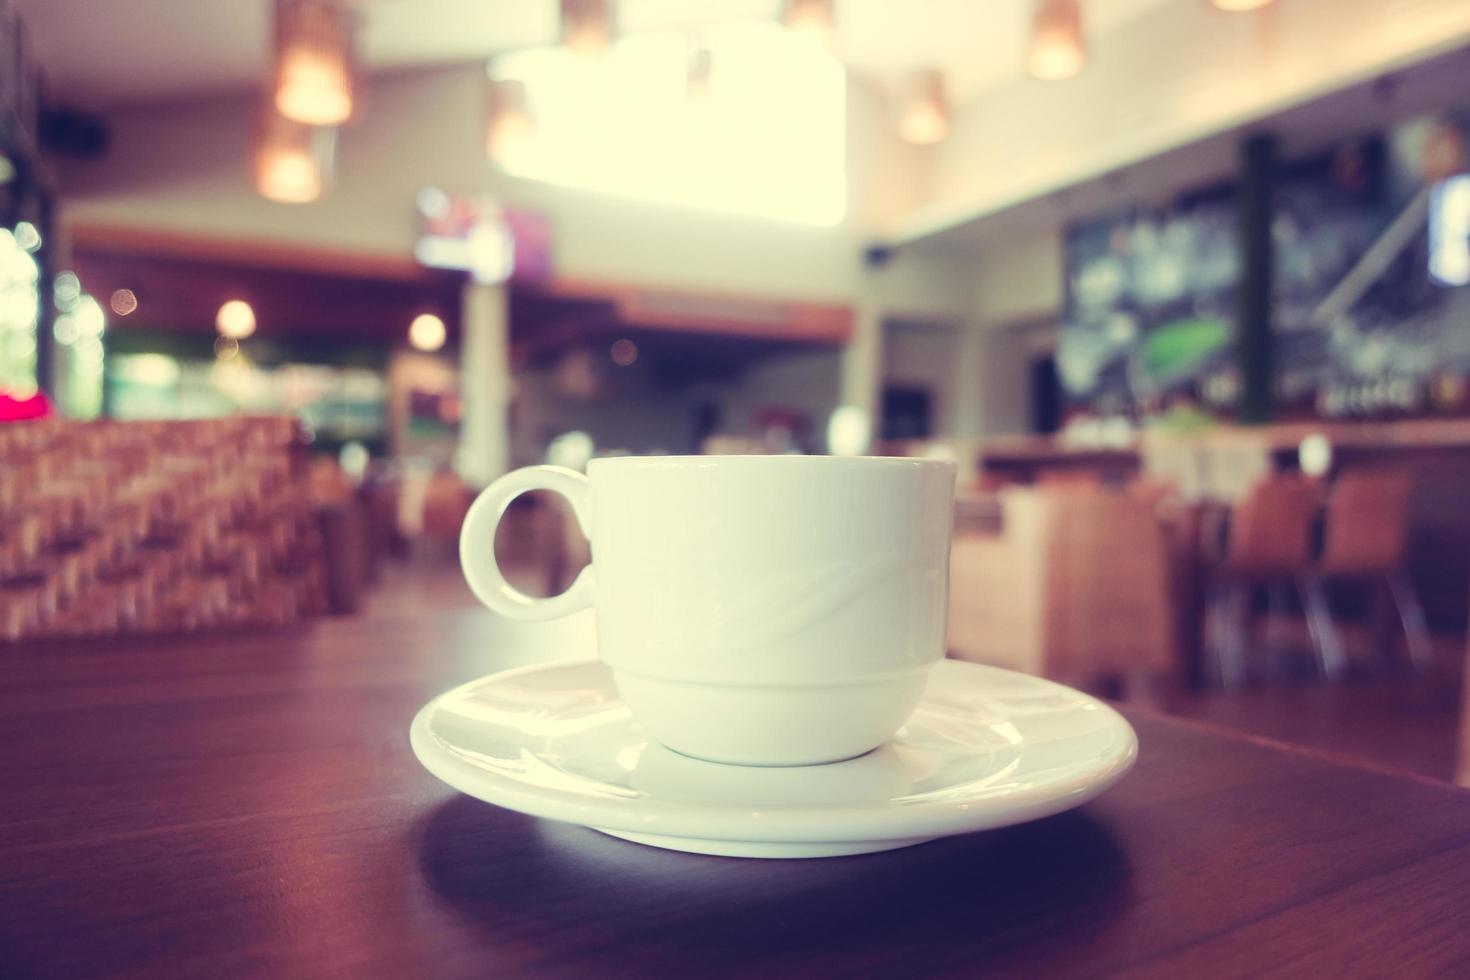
1372,265
476,234
1449,231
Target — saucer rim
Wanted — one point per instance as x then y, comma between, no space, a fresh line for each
648,815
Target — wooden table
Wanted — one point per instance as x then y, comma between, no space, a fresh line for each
249,806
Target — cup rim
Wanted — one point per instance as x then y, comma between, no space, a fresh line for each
738,459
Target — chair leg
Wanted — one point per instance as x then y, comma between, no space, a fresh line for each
1149,688
1215,633
1213,646
1235,623
1319,623
1275,615
1411,615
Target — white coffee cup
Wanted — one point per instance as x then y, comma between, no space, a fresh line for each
755,610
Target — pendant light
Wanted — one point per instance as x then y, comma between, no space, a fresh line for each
1238,6
313,68
812,19
701,70
293,161
509,126
1057,49
587,26
925,116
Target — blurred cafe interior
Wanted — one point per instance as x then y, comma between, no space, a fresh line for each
1183,289
1181,286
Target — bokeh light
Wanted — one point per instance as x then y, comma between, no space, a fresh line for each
67,291
27,236
427,332
624,352
235,320
90,319
123,302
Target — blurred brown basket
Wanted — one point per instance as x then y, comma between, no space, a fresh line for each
141,527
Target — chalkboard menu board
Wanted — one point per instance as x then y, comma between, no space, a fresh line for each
1371,297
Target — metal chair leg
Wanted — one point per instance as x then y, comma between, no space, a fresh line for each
1319,623
1213,642
1275,616
1411,615
1234,625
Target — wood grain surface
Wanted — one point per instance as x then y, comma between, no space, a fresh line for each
248,806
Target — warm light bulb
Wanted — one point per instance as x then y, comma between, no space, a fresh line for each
1057,49
290,177
510,130
314,61
1237,6
923,124
310,90
586,26
810,19
427,332
925,118
235,320
292,160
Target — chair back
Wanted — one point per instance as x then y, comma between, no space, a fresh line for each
446,501
1076,584
1271,530
1107,600
1367,523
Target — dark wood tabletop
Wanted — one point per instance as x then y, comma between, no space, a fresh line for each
249,806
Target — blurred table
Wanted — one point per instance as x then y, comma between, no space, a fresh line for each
248,805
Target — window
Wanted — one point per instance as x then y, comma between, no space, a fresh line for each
765,137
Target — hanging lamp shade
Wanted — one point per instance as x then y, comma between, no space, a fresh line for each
925,117
810,18
315,60
293,161
1058,48
509,126
701,70
587,26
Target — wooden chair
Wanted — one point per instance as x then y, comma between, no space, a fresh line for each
1108,605
1075,587
446,501
1366,540
1270,544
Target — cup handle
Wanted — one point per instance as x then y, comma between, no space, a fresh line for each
477,543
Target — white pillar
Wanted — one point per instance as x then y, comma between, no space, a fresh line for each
968,414
484,382
862,359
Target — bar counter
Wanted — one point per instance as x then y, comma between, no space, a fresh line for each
1029,459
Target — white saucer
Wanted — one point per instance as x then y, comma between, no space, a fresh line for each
986,748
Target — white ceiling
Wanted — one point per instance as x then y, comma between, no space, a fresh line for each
1361,109
110,53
